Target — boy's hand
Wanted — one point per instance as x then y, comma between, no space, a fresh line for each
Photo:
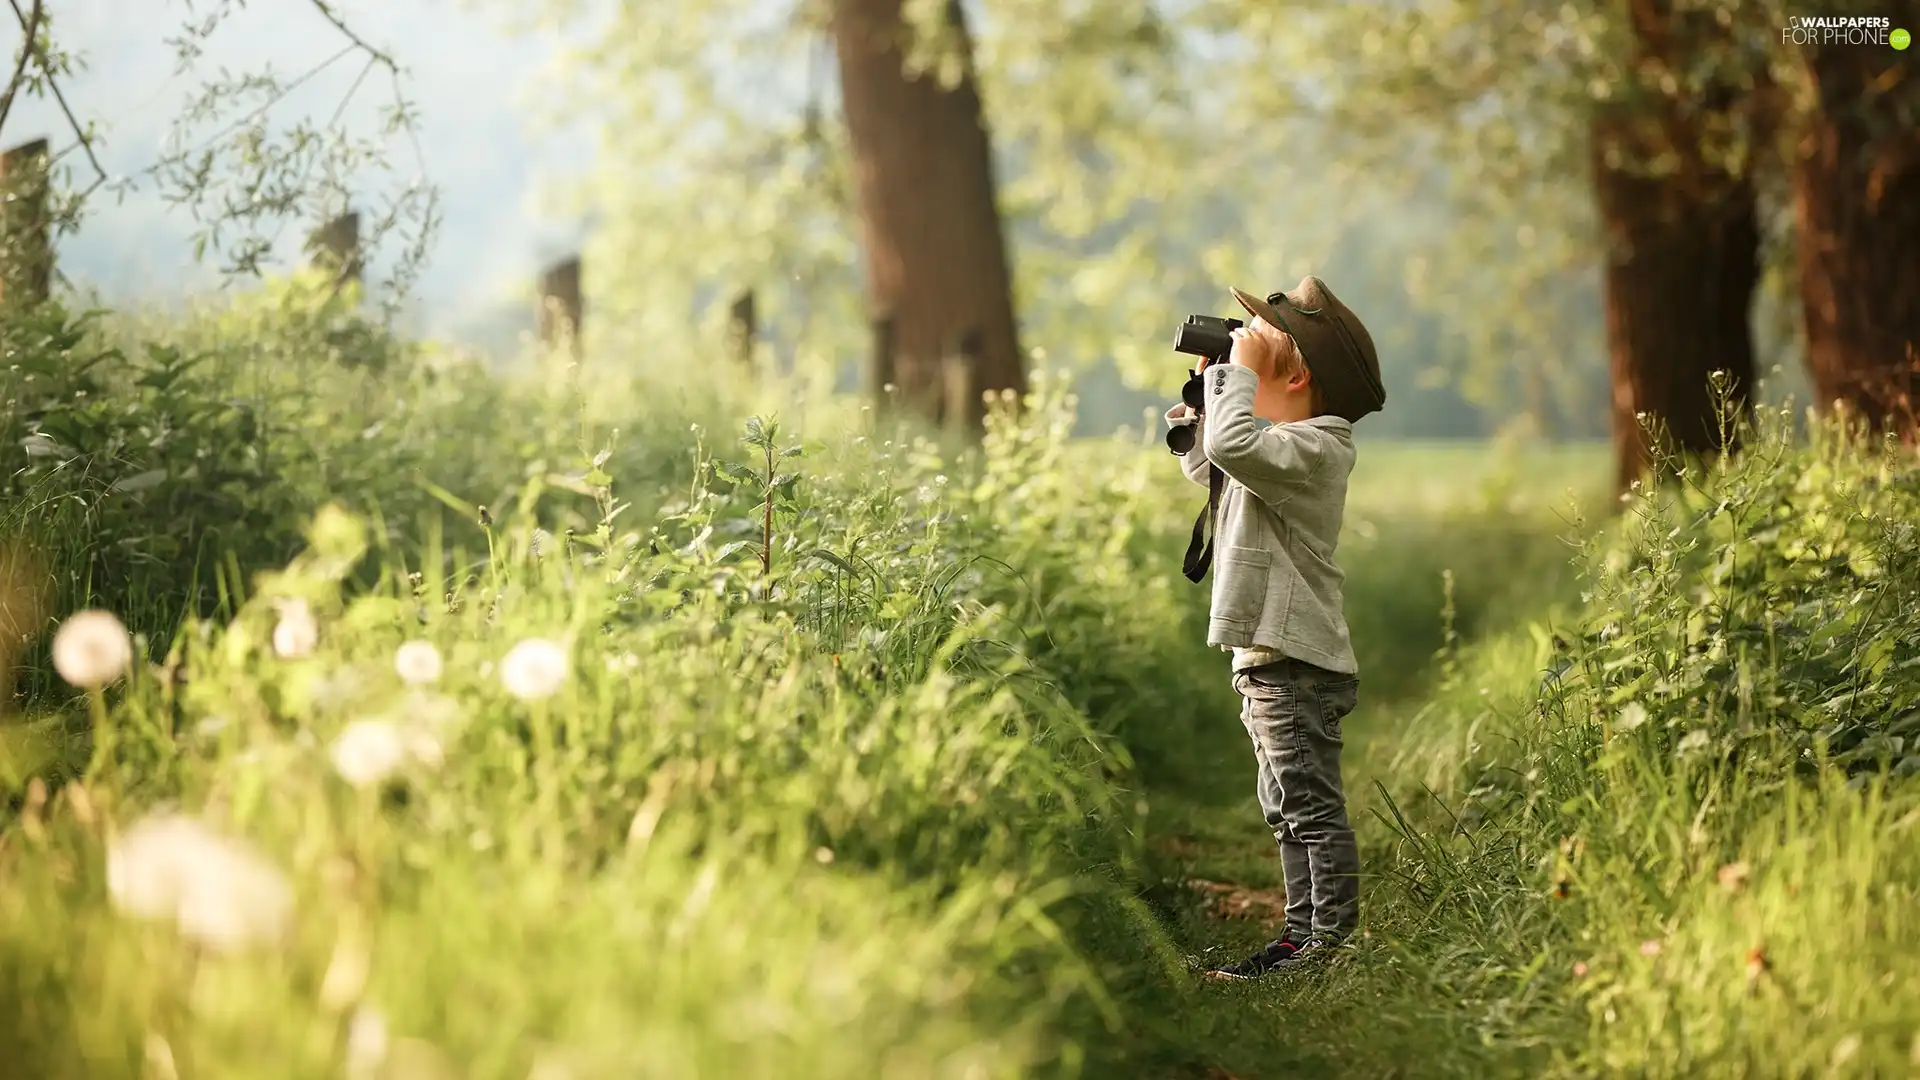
1254,347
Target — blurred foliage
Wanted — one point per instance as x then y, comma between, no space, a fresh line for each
1149,156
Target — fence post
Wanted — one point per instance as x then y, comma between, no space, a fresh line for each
741,326
26,248
561,307
957,379
335,248
883,369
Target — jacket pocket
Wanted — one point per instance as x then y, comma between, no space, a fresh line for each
1240,591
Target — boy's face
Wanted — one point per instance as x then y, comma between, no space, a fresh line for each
1285,394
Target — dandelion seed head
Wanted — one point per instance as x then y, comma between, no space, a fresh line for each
417,663
368,1043
217,890
534,669
368,752
92,648
296,634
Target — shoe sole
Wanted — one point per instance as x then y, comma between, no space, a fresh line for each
1228,976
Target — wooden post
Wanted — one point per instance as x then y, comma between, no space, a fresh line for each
741,328
959,410
561,307
26,247
883,369
335,248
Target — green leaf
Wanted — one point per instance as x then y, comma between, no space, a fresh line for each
738,474
828,557
152,478
728,551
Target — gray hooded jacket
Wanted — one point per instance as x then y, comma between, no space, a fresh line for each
1276,589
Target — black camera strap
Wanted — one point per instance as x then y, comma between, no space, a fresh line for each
1200,551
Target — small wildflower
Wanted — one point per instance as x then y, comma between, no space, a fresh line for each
534,669
1757,967
1733,876
346,977
296,634
217,890
1580,969
1650,947
159,1054
823,855
92,649
417,663
549,1067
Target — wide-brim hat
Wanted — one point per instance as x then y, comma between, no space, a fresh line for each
1334,343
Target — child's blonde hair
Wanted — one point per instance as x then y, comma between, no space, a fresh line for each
1288,362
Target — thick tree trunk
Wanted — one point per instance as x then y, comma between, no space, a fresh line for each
1682,243
1857,205
1680,275
936,256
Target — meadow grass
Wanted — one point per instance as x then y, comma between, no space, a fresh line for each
920,788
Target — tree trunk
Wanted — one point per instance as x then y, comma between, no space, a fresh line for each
1857,207
936,255
1682,248
1680,274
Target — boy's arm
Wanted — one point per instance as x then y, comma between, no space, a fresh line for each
1194,462
1272,464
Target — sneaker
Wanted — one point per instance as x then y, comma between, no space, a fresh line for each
1277,954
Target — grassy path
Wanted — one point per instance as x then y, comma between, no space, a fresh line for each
1218,892
1216,889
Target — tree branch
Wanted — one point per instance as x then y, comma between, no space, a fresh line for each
326,12
34,46
32,27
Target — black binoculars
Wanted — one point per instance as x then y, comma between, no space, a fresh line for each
1204,336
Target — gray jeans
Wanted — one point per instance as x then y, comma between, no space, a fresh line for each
1292,710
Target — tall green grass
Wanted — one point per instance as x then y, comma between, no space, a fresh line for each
1664,828
914,789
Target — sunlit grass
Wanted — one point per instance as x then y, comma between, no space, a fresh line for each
572,787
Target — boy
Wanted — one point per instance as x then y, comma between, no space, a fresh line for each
1308,365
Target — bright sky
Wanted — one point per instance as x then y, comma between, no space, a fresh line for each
474,78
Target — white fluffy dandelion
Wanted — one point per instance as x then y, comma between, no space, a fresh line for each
417,662
217,890
369,752
91,649
536,668
296,634
368,1043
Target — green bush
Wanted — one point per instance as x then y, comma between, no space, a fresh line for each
1673,820
807,807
